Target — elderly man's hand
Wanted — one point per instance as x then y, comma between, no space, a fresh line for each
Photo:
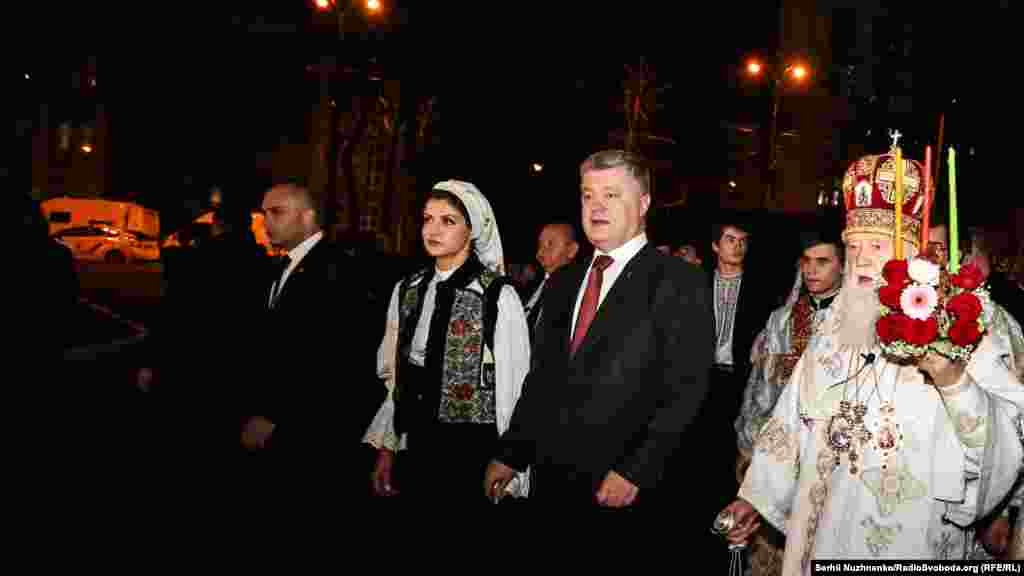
943,371
746,521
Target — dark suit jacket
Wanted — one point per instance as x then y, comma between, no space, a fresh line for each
317,361
624,400
533,314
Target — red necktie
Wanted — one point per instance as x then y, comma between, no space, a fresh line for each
588,308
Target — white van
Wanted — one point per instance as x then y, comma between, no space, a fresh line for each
69,212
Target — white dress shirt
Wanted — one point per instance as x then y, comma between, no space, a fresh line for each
296,254
536,294
418,353
621,256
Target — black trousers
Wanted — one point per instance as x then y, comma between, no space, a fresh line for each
444,465
718,423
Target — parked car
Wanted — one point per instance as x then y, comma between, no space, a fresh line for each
101,243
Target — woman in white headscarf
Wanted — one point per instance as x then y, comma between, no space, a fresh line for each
454,356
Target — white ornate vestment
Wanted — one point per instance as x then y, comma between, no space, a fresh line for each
933,463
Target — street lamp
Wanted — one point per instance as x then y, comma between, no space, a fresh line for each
87,148
799,72
341,7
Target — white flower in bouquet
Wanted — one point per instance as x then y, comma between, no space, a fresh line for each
918,302
923,272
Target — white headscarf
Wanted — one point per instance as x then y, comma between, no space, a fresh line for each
487,241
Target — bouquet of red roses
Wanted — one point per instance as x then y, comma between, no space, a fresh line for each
924,308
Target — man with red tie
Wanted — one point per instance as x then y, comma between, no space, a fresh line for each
624,351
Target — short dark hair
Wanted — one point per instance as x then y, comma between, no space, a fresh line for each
811,238
453,200
298,185
718,228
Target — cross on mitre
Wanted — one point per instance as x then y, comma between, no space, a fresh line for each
895,135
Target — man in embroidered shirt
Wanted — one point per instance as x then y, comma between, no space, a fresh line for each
776,351
867,458
556,247
741,307
623,358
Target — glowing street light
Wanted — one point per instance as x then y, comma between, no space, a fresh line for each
87,148
537,167
373,5
776,76
323,4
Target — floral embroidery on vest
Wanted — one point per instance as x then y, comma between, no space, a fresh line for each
467,370
467,394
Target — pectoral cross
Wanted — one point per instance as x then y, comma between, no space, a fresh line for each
895,135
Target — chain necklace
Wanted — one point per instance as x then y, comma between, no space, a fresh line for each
847,433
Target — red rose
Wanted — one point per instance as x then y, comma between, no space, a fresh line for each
884,329
969,277
892,327
964,333
896,273
890,296
923,332
965,306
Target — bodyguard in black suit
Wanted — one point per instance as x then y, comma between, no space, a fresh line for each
316,388
624,353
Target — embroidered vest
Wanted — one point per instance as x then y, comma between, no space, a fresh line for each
459,354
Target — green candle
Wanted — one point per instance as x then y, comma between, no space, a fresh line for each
954,233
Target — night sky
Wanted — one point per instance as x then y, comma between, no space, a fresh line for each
203,107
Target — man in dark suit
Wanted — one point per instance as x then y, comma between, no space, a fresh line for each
556,247
624,353
316,389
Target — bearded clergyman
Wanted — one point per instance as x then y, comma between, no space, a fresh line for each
866,457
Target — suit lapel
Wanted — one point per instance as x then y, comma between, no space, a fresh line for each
561,306
297,276
625,296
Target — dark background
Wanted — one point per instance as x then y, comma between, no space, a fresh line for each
198,96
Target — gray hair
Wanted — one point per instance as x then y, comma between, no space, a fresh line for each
636,165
